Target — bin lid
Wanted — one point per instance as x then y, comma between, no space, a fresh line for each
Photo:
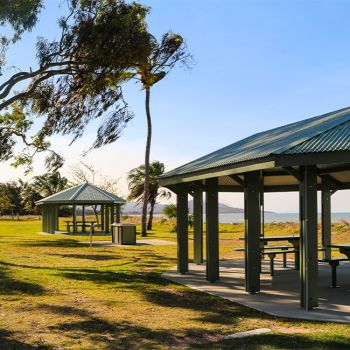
122,224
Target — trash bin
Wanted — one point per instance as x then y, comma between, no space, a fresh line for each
124,234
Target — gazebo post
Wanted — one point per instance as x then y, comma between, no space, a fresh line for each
83,214
44,217
106,218
252,208
112,213
198,225
74,219
118,213
326,217
56,218
102,217
182,228
308,238
212,223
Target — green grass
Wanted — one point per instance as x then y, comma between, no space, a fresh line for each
57,293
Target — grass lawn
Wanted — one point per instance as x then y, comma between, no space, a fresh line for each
57,293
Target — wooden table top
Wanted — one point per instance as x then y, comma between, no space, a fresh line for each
80,222
277,238
280,238
346,246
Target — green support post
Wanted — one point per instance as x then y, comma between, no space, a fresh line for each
74,219
83,214
308,238
198,226
102,217
57,219
118,213
44,218
252,195
182,228
212,236
107,219
112,214
326,218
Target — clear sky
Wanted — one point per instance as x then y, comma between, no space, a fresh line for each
259,64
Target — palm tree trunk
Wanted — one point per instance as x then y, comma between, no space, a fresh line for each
150,218
147,156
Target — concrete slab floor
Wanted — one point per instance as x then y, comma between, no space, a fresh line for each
149,241
279,294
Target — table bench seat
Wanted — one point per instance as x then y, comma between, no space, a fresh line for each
334,263
272,254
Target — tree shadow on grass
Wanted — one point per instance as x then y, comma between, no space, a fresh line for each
286,341
63,243
10,285
95,257
8,343
210,309
120,335
159,291
125,279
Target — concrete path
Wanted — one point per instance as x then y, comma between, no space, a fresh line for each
138,242
279,295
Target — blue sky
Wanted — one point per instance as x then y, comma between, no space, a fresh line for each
259,64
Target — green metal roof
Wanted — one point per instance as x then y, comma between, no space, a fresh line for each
82,194
324,133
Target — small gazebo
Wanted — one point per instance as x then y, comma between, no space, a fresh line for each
82,195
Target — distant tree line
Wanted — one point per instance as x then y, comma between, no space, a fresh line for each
19,197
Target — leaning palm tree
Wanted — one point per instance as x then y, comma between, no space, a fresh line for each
49,183
162,57
136,180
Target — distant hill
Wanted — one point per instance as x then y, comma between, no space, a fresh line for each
132,208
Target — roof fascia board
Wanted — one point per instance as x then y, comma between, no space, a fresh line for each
69,202
286,160
222,171
277,188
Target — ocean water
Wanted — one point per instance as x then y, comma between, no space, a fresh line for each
278,217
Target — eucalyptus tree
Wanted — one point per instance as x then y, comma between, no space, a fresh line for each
136,180
78,78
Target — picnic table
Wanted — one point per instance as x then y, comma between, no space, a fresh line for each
292,239
343,248
82,224
334,262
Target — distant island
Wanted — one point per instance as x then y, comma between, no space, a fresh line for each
132,208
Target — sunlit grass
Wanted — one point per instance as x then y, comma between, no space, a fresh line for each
58,293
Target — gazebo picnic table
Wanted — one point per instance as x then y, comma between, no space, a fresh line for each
80,223
343,248
272,251
292,239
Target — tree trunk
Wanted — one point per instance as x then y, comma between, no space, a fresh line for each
150,218
147,156
94,208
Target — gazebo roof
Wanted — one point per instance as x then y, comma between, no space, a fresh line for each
276,147
85,193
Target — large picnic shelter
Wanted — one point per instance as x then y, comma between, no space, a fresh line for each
82,195
307,156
